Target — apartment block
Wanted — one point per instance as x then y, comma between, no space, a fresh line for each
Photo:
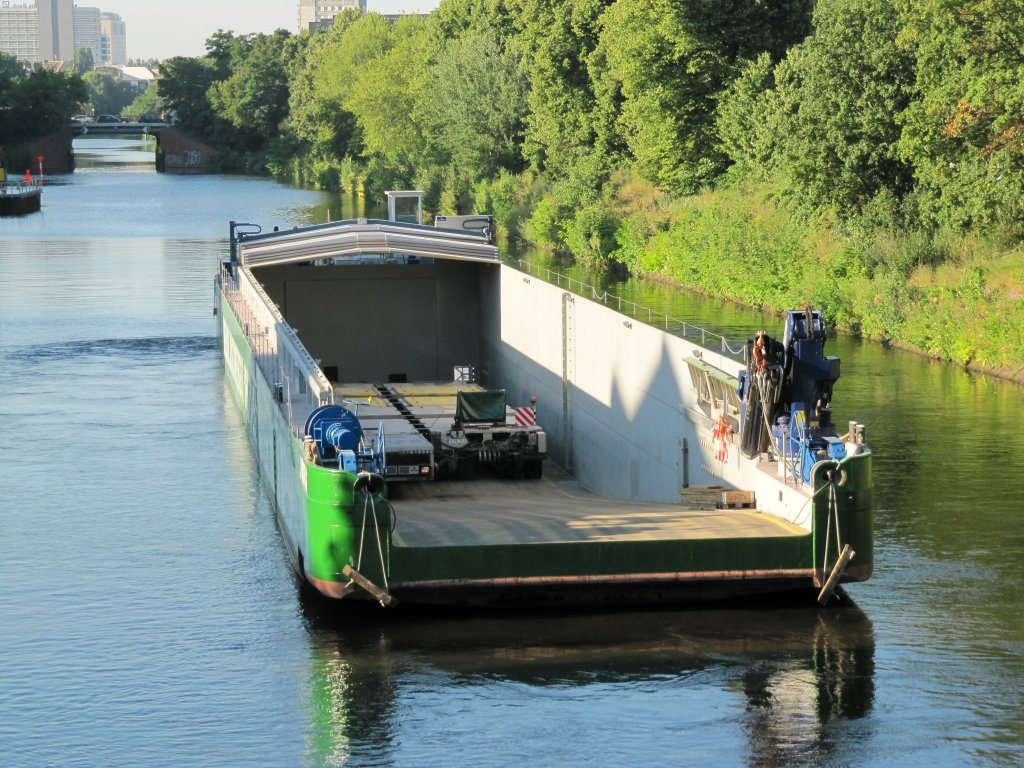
113,40
318,13
87,31
19,31
52,30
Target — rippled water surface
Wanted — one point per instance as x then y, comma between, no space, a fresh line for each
148,617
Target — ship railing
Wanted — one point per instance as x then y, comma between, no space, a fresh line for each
697,334
285,362
17,187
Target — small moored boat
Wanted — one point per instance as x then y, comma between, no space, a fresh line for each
20,197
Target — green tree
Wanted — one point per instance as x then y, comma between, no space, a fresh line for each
11,74
254,99
108,93
842,91
35,104
183,85
749,117
661,67
454,19
220,50
384,94
965,133
317,117
146,103
474,108
84,61
556,38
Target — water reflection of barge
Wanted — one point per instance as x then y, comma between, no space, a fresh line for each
796,681
670,471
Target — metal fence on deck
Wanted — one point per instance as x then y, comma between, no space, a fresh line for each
279,353
702,336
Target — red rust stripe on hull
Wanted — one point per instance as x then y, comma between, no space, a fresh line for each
337,589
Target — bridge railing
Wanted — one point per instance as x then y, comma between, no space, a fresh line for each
99,129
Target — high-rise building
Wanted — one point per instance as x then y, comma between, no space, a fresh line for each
19,31
56,29
87,31
313,13
52,30
113,40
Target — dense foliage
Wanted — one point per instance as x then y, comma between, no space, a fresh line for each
34,104
108,94
146,103
866,156
83,61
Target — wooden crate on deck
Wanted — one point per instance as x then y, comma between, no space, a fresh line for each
736,500
701,497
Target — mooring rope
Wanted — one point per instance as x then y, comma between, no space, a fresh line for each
834,511
799,521
833,514
828,530
371,505
362,536
380,548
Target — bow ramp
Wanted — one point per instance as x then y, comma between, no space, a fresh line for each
356,240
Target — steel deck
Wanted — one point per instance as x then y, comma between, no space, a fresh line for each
556,509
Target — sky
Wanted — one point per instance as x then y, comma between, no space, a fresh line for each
160,30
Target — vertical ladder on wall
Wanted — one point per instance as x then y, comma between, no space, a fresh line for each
568,370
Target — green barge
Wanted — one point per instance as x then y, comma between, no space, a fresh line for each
434,426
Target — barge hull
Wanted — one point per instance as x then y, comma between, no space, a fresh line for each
622,415
562,555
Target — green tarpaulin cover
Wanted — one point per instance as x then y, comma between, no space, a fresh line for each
481,406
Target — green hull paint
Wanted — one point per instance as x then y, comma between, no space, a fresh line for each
605,558
854,500
341,522
322,518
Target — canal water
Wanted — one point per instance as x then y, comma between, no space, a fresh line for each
148,615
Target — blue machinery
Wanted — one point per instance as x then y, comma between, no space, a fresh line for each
786,396
339,439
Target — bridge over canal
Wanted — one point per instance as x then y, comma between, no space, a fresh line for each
175,151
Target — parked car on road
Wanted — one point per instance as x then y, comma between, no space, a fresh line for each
109,119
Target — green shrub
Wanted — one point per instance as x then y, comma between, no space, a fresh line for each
633,238
590,234
546,223
507,198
